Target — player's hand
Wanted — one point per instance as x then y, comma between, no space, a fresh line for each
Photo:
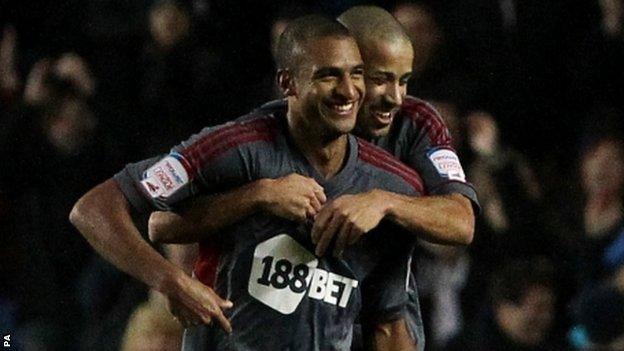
185,316
293,197
347,218
193,303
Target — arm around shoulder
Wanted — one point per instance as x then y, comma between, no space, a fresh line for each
443,219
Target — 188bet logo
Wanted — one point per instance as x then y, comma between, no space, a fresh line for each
283,271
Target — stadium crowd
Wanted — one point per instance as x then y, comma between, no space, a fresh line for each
530,90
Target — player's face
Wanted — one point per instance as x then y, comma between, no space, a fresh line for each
388,68
330,84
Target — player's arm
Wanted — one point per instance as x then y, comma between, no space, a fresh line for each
447,219
183,256
293,197
446,215
103,217
444,219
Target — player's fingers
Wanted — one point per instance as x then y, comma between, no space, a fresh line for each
223,303
318,190
342,239
206,319
302,213
320,222
320,195
310,212
224,322
316,204
355,234
327,235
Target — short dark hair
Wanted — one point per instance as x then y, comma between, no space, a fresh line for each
302,30
511,282
370,24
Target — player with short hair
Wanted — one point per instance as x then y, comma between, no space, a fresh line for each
406,126
284,297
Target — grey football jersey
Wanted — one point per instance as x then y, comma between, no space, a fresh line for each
285,298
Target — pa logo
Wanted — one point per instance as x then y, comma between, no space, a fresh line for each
6,342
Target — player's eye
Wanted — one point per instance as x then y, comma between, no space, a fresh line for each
378,80
357,75
327,79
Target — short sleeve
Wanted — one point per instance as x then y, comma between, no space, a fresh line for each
429,151
214,159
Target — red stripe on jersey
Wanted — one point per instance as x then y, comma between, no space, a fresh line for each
380,158
427,118
228,144
387,157
213,144
206,265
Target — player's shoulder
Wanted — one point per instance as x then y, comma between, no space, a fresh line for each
260,125
381,162
418,111
421,117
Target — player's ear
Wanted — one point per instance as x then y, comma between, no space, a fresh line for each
286,82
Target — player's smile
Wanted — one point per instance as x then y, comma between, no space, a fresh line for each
388,68
384,116
343,110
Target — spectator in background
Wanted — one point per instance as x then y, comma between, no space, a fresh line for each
181,81
509,189
9,78
514,50
600,320
511,224
598,78
520,314
436,72
10,254
48,78
51,152
602,174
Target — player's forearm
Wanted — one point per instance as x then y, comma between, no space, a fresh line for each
447,219
102,216
182,255
206,215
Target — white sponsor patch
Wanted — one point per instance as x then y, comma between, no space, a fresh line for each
165,177
283,272
447,164
280,273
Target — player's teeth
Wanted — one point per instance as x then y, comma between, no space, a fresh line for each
344,108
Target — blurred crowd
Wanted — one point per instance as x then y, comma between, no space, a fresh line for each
532,92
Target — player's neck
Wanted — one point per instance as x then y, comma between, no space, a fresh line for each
325,153
327,158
